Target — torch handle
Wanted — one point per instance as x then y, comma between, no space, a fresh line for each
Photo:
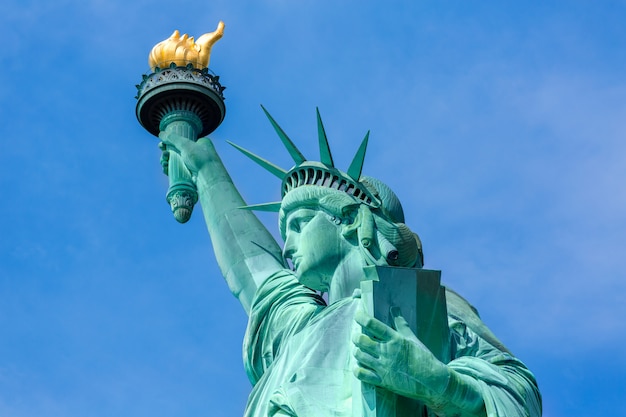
182,194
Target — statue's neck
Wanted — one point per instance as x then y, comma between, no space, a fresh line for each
347,277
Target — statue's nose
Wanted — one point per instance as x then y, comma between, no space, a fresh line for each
290,245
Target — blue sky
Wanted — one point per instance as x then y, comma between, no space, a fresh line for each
500,125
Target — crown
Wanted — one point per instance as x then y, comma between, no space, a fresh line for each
322,173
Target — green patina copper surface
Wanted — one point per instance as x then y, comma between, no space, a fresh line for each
390,340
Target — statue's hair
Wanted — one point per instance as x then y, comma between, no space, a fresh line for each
380,232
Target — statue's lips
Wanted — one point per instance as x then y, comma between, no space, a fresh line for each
295,261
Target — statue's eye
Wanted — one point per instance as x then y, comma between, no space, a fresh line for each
295,226
299,224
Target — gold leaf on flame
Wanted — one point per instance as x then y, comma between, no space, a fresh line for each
184,50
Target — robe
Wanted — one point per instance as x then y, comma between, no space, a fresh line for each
298,355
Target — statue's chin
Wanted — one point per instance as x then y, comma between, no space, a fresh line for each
311,280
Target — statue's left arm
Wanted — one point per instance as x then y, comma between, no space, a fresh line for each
482,381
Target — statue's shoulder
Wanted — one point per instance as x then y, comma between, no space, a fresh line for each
460,309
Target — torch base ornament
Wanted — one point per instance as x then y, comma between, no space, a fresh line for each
182,199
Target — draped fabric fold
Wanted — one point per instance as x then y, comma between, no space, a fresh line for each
298,356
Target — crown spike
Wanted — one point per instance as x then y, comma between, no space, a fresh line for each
271,207
357,163
274,169
325,155
291,148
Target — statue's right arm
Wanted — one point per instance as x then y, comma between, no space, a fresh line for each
245,250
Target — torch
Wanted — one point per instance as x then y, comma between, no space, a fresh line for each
181,96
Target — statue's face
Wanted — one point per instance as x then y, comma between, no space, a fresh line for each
315,246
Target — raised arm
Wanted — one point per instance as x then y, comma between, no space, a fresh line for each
245,250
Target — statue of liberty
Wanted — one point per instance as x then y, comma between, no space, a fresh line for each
302,353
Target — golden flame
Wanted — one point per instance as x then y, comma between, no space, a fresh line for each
183,50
